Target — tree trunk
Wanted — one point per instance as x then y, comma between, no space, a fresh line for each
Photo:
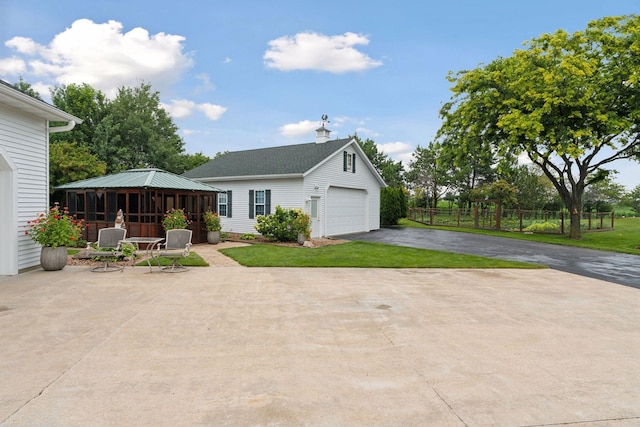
575,215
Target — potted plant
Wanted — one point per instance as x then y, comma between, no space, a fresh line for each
213,226
302,224
54,231
174,219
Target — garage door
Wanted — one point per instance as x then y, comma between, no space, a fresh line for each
346,211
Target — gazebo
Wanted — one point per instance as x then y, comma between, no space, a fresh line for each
144,195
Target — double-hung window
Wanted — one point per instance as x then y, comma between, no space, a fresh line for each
349,162
259,203
222,204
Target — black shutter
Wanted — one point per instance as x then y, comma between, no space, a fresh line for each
267,202
344,161
251,213
353,163
229,204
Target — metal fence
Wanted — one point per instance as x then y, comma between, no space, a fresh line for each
493,218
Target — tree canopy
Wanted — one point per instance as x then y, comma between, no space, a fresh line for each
130,131
569,102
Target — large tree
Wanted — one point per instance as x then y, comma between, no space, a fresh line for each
130,131
140,133
87,103
26,87
428,175
68,162
570,102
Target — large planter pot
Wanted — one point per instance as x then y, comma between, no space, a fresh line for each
301,238
213,237
53,259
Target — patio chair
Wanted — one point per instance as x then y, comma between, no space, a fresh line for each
108,248
176,246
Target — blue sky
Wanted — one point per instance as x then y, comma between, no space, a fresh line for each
249,74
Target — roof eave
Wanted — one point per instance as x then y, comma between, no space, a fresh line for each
27,103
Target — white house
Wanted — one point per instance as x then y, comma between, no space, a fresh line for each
332,180
24,172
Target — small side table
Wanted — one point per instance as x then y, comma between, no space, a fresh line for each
151,244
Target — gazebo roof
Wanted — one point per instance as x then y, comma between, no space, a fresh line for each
140,178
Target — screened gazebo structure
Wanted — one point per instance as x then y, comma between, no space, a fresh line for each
144,195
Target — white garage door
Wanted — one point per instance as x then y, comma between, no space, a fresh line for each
346,211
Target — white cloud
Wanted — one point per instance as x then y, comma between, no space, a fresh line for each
12,66
206,82
227,60
187,132
367,132
298,129
313,51
23,45
394,147
398,151
105,57
212,111
181,108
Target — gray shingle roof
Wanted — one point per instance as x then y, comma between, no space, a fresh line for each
286,159
140,178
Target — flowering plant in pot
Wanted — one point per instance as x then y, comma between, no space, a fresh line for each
175,219
55,228
54,231
213,225
301,222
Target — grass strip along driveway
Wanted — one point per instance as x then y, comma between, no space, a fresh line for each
624,238
361,254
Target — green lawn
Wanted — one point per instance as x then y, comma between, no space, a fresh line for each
193,260
624,238
361,254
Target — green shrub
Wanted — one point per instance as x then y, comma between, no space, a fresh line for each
543,227
393,205
247,236
284,225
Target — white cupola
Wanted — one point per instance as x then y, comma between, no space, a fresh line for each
322,134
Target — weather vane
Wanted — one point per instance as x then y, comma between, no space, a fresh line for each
325,119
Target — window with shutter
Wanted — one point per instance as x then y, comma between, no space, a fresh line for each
222,204
259,203
349,162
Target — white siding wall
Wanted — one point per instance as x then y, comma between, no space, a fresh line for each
284,192
331,174
24,139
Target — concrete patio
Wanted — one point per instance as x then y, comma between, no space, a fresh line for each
228,345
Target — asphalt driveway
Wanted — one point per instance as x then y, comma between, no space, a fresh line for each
611,267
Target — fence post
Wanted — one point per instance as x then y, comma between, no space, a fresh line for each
431,216
476,219
613,214
520,218
602,221
458,211
589,221
561,222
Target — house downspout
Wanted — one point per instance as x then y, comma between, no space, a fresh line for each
70,125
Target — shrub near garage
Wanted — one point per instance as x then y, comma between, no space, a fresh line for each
284,225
